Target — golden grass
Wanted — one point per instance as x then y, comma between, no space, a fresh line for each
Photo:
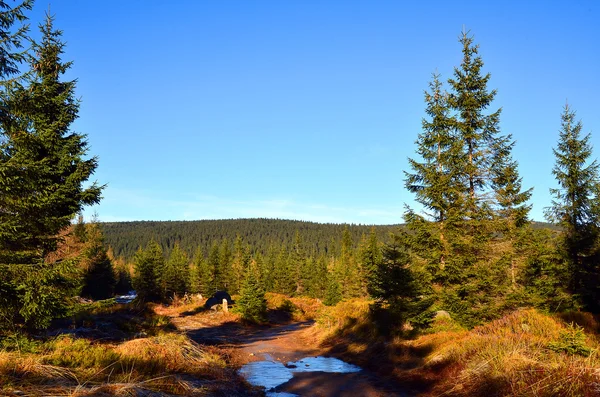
172,353
526,353
509,356
168,362
300,308
347,316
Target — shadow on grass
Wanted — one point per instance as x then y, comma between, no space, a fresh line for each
358,343
116,323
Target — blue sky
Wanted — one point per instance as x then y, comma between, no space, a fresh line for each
306,109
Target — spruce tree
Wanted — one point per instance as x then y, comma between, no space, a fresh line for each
211,274
43,171
575,208
346,270
237,266
252,304
268,271
370,257
437,183
402,294
99,278
469,99
148,266
297,265
43,163
195,280
175,274
470,191
284,278
333,293
223,275
318,278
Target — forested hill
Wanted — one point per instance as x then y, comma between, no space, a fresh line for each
261,234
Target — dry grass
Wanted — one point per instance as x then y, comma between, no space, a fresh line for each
525,353
348,317
166,362
509,356
299,308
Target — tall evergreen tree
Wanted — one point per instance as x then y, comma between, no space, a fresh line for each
212,269
477,131
223,276
436,182
42,161
43,172
99,278
401,294
148,265
470,191
370,257
318,280
575,208
252,303
297,265
347,269
175,274
284,278
239,265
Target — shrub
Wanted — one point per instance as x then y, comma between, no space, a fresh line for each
571,341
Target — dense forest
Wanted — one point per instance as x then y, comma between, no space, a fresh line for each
125,238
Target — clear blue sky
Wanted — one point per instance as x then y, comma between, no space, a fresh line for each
306,109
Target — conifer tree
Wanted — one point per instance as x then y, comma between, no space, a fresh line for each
575,208
268,271
333,293
79,229
470,191
99,278
252,304
237,266
212,270
195,280
436,182
42,161
123,277
148,265
223,274
43,172
346,268
370,257
401,294
175,274
297,265
476,131
317,287
284,280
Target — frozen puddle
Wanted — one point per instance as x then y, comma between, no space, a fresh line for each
270,374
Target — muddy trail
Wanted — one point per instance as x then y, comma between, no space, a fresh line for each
288,362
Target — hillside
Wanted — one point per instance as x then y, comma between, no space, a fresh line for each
126,237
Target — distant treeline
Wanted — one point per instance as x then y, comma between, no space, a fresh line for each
125,238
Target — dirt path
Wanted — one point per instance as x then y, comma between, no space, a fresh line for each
285,343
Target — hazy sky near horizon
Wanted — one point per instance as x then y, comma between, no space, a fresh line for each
306,109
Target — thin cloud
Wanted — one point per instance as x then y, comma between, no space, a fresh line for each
127,205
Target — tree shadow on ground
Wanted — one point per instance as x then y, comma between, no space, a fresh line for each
393,361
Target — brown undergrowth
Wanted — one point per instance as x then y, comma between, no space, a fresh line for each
148,357
526,353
